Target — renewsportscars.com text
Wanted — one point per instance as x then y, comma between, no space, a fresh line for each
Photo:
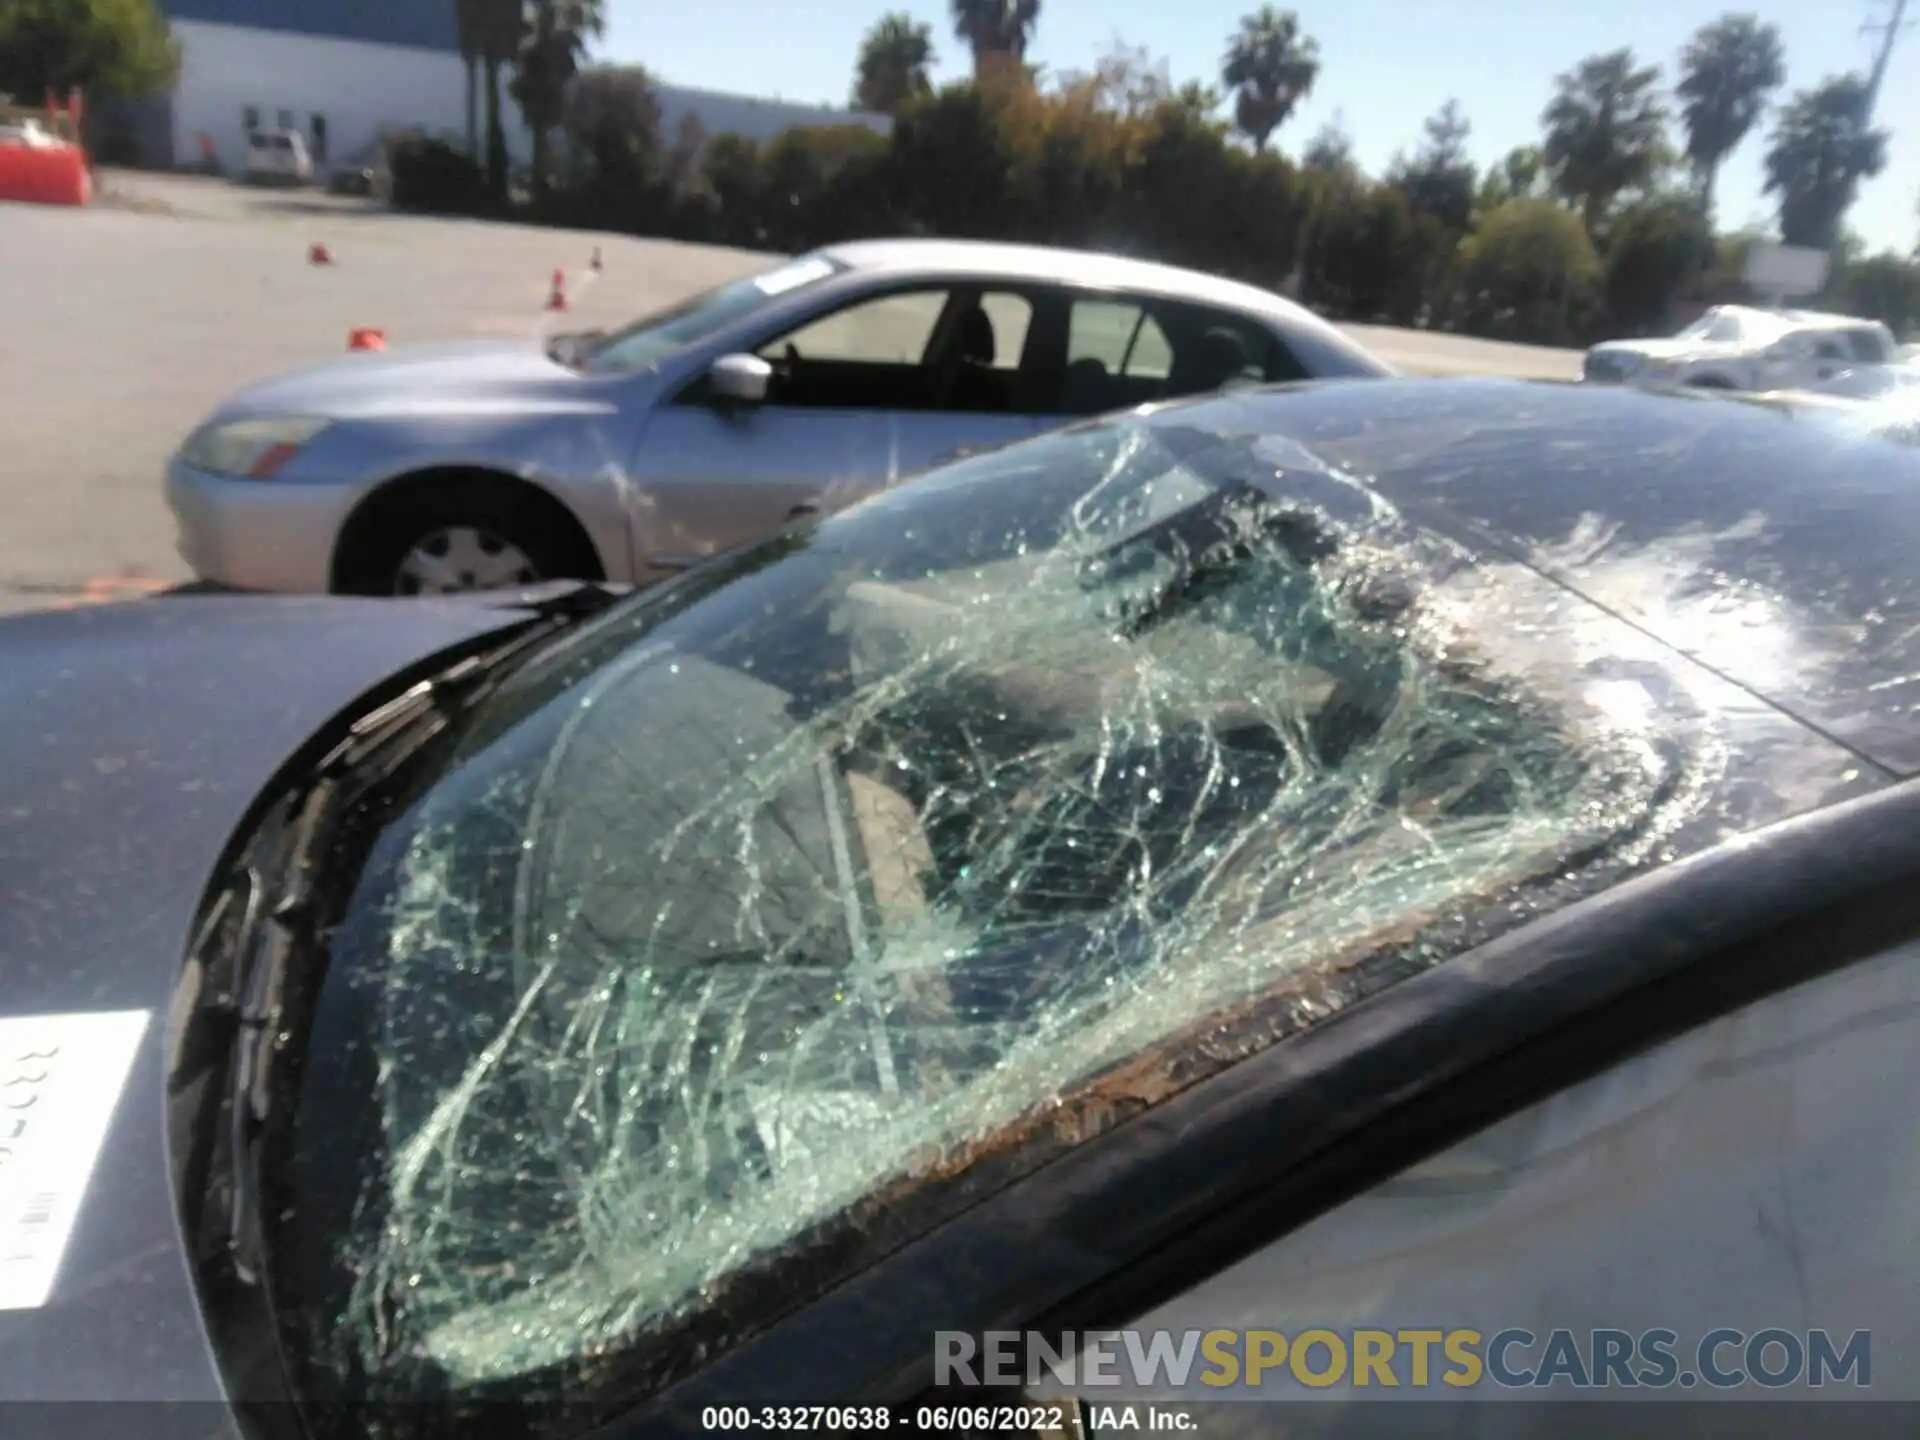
1320,1359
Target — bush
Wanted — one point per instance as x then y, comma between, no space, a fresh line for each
434,177
1657,250
1884,288
1529,272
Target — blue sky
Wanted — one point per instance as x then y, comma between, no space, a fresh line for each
1385,64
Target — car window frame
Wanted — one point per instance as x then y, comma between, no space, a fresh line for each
1425,1063
1173,315
960,290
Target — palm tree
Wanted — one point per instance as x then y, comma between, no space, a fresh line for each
893,64
467,22
1270,67
501,27
995,30
1820,151
548,60
1727,72
1606,132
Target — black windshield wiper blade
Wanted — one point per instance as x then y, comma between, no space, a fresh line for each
1212,541
284,922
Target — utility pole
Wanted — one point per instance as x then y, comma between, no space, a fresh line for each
1889,31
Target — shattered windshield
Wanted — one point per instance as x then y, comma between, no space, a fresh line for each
790,893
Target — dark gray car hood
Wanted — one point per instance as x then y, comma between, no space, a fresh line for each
133,739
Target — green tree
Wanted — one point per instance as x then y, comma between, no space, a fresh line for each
1197,98
1606,132
107,48
1822,147
549,58
1529,271
468,16
1269,69
892,66
1128,81
1727,72
1657,249
997,31
611,120
1517,175
501,29
1330,150
1440,179
1882,287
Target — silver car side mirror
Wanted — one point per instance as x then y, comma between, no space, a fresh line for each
742,379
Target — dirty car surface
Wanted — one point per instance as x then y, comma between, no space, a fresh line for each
762,924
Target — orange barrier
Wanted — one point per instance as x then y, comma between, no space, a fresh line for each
55,175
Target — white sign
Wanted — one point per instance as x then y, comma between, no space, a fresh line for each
60,1078
1785,271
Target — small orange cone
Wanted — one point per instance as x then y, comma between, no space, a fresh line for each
558,299
318,254
366,338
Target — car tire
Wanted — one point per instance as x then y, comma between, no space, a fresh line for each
471,535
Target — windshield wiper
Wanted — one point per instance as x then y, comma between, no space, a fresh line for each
284,925
1211,542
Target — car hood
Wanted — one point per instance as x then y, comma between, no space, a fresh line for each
133,740
474,377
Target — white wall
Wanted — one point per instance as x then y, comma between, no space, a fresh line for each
360,87
747,115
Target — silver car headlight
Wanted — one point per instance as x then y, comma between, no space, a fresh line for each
250,449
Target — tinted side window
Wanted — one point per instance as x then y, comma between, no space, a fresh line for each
890,330
1214,348
1118,355
1747,1179
870,355
1867,347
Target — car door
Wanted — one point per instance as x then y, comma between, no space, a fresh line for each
863,394
1830,355
1123,350
1725,1215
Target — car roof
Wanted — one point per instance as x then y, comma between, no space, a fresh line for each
1775,545
1055,266
1821,320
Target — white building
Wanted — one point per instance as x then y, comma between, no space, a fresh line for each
342,72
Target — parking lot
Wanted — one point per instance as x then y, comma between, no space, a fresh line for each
127,321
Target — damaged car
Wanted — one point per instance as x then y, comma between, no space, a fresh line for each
1056,894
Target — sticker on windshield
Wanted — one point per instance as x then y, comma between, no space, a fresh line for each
792,277
60,1077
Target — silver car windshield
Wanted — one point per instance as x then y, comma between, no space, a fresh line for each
1718,329
768,905
655,338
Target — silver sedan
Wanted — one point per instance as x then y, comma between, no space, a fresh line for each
627,456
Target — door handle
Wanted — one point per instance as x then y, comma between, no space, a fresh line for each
804,509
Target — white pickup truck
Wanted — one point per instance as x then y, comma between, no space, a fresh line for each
1741,347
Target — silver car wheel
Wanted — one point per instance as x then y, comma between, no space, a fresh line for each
458,558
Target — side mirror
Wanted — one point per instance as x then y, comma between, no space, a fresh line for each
742,379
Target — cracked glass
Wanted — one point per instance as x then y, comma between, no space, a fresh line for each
817,876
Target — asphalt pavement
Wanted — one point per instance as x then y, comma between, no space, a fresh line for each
127,321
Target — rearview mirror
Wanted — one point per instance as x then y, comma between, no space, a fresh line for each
742,379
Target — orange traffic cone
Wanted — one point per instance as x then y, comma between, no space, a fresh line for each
366,338
318,254
558,299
